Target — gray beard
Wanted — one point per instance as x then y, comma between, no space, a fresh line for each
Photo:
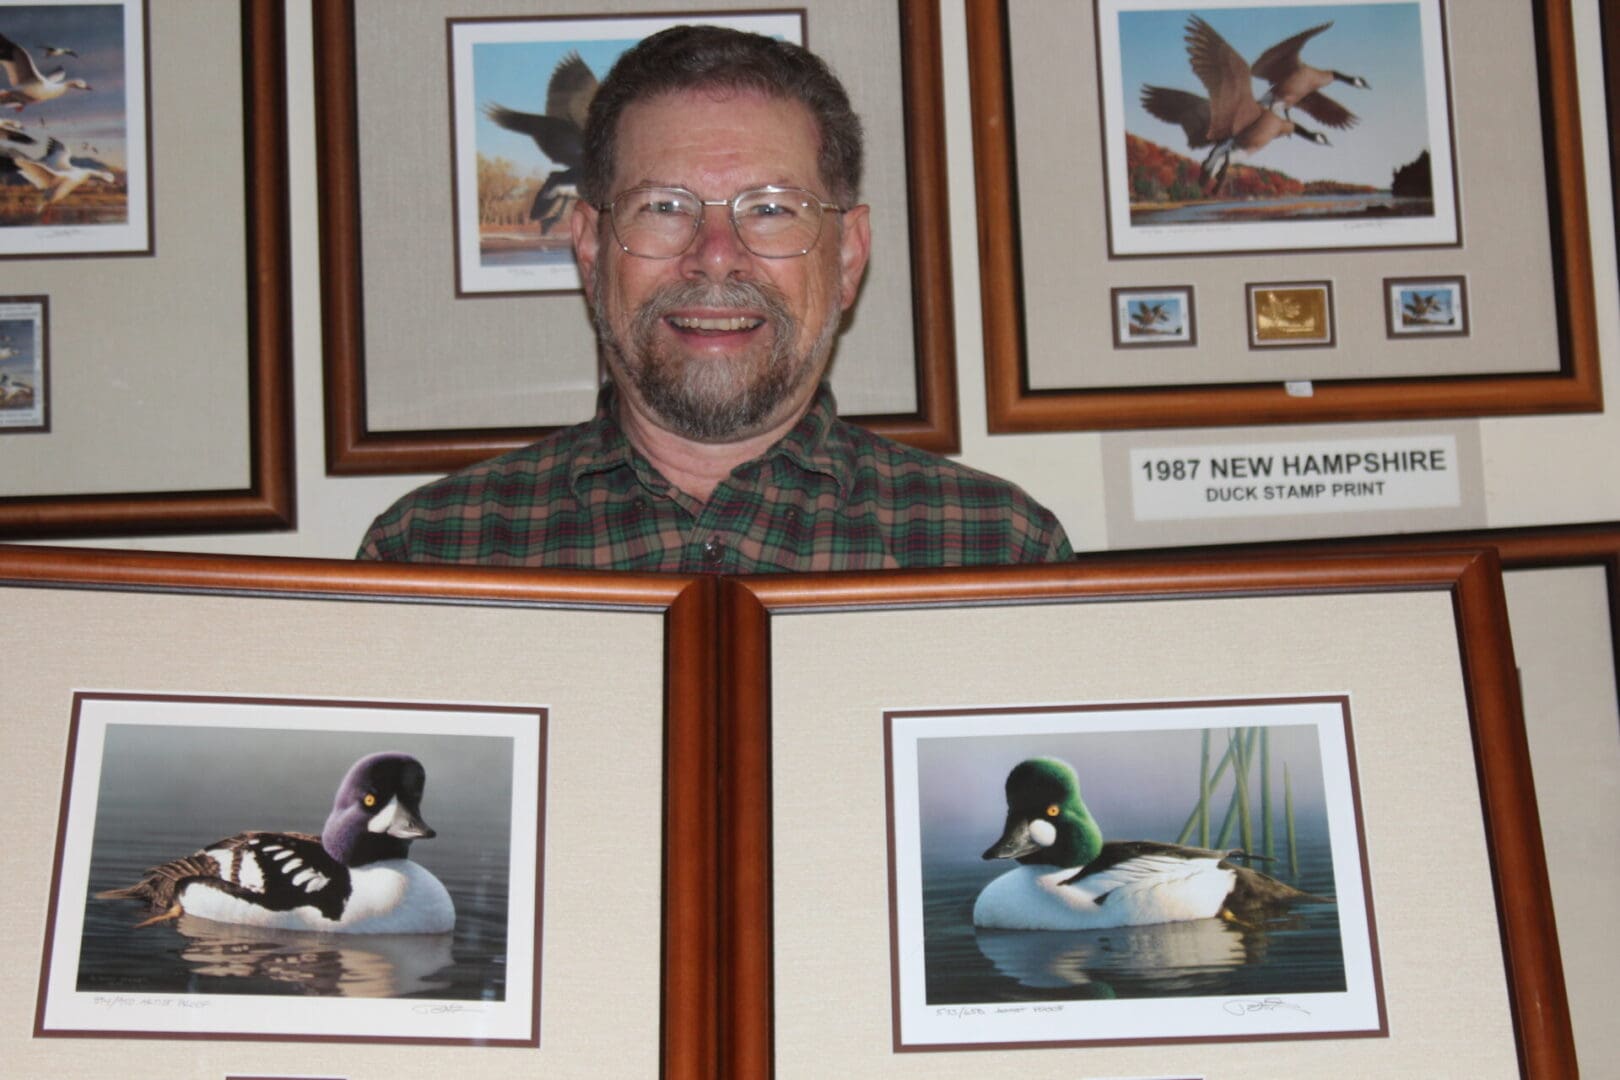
709,402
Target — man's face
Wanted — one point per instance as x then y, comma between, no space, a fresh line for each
718,344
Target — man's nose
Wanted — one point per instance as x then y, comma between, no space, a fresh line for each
716,252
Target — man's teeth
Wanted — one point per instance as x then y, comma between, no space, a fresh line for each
736,322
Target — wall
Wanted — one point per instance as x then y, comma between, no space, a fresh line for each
1538,470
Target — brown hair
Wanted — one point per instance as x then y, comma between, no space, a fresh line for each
715,58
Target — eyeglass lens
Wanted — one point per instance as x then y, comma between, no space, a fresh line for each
660,223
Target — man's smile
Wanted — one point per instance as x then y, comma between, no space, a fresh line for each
715,324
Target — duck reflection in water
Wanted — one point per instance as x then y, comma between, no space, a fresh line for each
1177,958
346,965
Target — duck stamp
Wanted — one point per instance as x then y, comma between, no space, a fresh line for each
24,364
1290,314
1424,307
1153,317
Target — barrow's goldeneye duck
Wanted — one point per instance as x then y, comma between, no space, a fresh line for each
1070,879
356,877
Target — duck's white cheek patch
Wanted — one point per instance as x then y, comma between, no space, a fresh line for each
385,817
1042,833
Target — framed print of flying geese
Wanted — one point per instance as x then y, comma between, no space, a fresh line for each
1221,144
452,325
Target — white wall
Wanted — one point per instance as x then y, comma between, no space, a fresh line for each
1538,470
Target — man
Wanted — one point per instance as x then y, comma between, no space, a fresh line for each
719,242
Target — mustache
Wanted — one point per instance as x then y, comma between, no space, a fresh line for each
753,295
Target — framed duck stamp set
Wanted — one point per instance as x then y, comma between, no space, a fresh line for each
1333,182
326,815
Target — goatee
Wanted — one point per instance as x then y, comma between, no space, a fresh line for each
705,400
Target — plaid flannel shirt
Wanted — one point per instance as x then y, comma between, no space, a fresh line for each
828,496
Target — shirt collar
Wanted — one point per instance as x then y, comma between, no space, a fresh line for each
602,446
817,443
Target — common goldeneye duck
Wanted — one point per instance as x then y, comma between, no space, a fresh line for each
1070,879
356,877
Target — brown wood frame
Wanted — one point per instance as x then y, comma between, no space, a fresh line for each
1538,547
353,448
266,501
689,932
1473,580
1013,406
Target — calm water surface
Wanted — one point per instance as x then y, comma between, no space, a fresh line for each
1300,953
197,956
1289,207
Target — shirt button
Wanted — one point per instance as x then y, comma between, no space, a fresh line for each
714,552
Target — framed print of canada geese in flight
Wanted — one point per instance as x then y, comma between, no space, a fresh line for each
1256,127
1233,141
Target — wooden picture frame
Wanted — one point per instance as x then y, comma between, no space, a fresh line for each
1034,387
256,633
1569,666
357,443
153,501
971,661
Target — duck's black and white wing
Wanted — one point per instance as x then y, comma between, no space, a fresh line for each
275,871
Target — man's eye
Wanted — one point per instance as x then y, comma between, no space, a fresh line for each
770,210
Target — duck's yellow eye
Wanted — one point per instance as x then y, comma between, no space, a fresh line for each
1053,810
370,800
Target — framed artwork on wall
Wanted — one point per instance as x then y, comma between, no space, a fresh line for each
435,360
1338,158
169,389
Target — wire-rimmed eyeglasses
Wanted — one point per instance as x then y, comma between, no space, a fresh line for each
772,222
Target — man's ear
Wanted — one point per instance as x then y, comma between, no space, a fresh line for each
587,243
854,246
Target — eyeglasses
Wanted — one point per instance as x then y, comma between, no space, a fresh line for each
772,222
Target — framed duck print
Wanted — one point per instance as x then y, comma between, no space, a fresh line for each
264,829
1022,816
1243,141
